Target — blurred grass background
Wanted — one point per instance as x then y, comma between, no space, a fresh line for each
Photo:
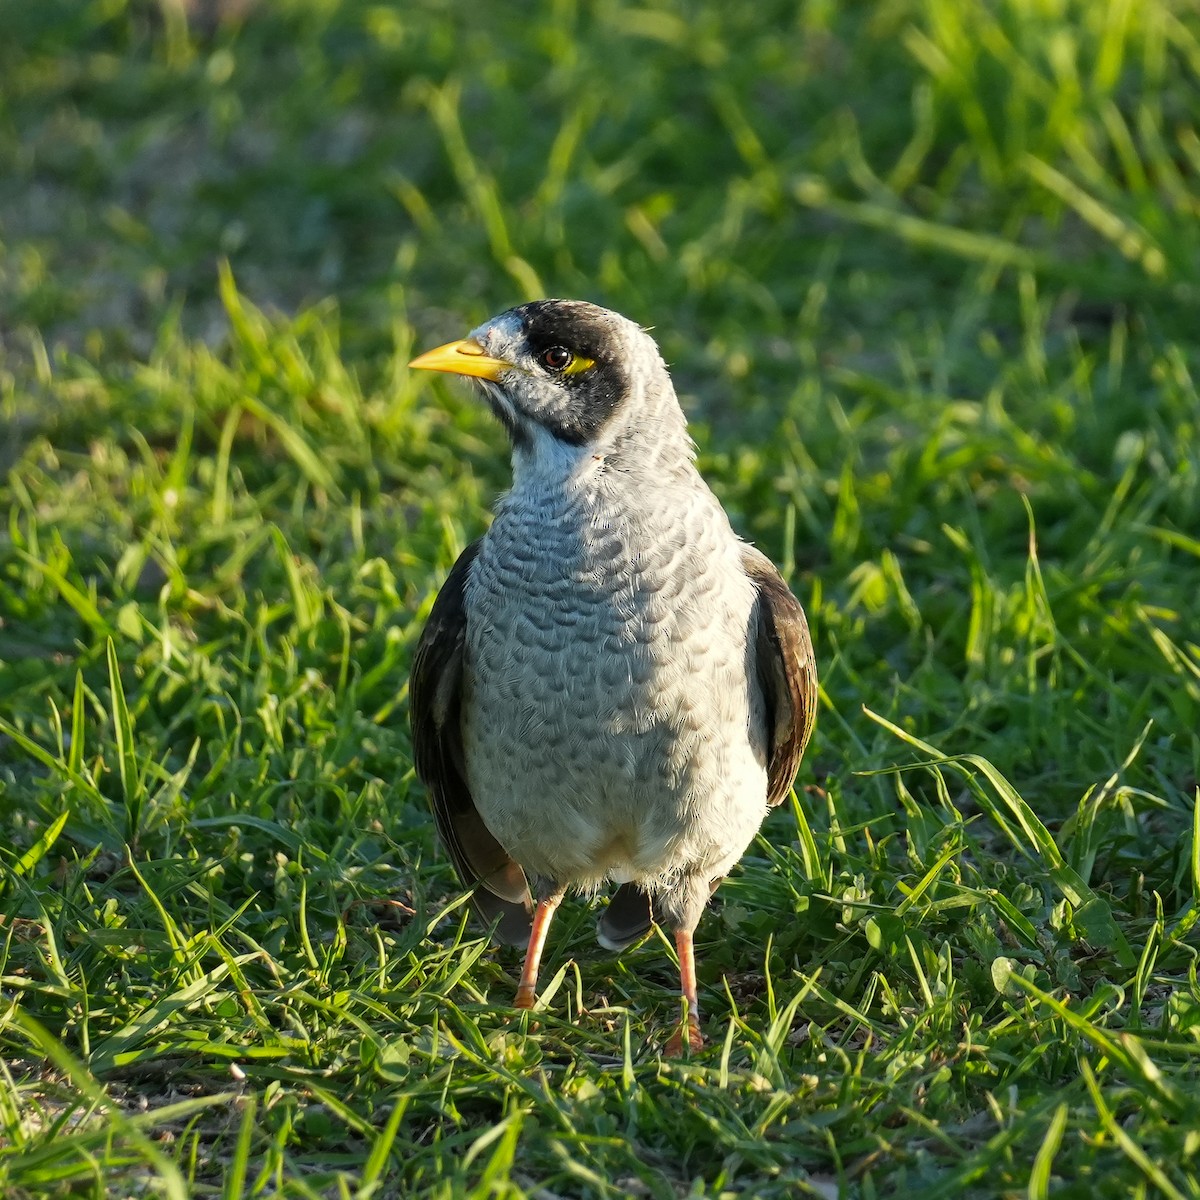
927,276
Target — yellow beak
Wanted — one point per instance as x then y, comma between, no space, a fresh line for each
467,357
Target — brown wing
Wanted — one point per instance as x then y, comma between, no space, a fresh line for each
435,715
787,672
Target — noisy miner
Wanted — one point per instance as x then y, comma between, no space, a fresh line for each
611,685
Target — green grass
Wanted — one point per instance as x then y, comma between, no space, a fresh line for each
928,275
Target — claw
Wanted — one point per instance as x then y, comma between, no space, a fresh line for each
695,1040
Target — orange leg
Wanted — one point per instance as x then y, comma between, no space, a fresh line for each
687,981
527,988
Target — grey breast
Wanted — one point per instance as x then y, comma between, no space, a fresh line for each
611,727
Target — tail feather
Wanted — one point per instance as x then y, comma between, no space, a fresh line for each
513,921
629,916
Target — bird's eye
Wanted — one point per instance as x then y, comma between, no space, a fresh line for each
557,358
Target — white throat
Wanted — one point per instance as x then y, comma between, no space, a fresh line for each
543,463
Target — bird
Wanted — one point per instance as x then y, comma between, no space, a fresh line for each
611,687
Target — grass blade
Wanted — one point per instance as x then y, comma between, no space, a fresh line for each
127,765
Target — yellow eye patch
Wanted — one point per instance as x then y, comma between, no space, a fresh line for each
578,364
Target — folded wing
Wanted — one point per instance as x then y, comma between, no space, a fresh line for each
787,672
500,891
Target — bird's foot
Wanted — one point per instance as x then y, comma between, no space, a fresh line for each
675,1047
526,997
